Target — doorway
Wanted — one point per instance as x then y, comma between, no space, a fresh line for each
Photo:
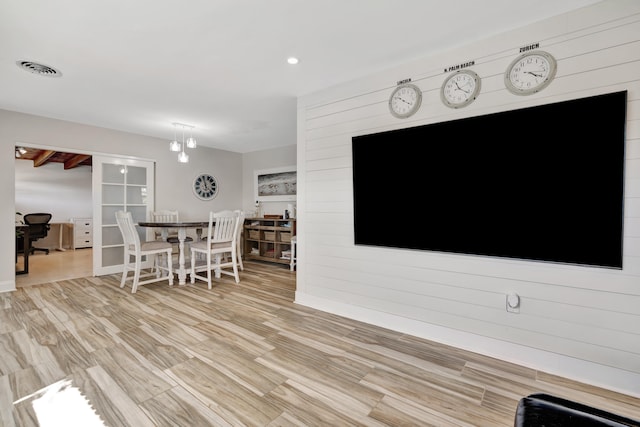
57,182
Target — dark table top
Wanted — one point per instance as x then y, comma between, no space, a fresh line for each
187,224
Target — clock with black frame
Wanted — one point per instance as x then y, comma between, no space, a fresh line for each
205,186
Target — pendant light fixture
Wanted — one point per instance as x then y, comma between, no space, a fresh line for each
191,142
174,145
178,146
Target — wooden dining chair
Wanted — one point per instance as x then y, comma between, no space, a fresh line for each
136,249
222,238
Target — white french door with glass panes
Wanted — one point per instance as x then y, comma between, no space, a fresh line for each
119,184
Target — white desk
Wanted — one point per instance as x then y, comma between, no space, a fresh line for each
62,226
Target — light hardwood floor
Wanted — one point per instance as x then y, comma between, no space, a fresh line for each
56,265
246,355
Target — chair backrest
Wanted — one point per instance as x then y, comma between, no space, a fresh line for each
241,216
128,229
223,227
166,216
38,224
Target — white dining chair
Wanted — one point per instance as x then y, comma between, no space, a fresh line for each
136,249
165,216
172,233
222,238
168,216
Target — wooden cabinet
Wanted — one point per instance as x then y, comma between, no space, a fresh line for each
82,233
268,239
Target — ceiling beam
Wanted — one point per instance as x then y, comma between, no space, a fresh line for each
75,161
42,158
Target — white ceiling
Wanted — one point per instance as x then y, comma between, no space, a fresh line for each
220,65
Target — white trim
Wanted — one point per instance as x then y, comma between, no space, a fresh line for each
8,286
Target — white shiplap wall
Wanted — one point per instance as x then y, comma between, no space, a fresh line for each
579,322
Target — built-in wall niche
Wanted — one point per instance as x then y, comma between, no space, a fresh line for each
542,183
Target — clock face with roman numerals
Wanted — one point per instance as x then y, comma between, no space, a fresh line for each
205,186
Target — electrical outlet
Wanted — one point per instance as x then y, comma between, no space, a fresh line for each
513,302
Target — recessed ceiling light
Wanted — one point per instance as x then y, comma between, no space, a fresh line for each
292,60
39,69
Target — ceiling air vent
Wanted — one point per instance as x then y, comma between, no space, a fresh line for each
39,69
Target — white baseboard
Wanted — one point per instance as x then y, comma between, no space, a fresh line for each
7,286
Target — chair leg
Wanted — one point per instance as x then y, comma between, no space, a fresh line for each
207,257
125,270
193,267
136,276
239,256
159,260
155,268
234,261
209,268
124,276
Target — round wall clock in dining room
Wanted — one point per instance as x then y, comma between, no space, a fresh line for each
405,100
460,89
205,186
530,72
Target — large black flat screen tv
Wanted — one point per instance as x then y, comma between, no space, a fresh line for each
543,183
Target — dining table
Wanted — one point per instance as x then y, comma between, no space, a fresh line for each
182,227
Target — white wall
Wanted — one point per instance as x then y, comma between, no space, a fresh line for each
65,194
578,322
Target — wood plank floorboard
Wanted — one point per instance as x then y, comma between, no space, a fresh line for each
246,355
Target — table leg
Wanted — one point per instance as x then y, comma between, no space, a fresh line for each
26,248
61,229
216,272
182,272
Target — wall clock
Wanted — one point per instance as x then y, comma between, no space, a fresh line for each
405,100
530,72
205,186
460,89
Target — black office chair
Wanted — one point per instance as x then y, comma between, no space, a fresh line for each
38,228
